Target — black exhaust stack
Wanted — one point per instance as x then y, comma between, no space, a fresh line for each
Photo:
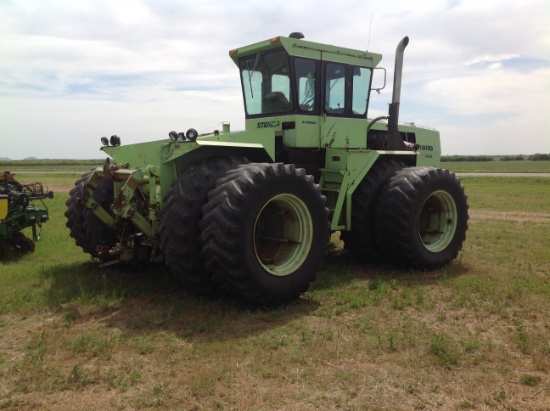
395,142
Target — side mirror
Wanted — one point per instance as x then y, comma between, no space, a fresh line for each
378,79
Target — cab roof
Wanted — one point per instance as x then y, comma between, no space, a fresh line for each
308,49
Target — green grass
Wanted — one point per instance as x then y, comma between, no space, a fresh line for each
472,335
25,170
524,166
525,194
48,163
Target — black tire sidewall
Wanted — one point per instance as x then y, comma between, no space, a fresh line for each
76,216
361,240
398,216
440,183
302,276
98,233
228,230
182,210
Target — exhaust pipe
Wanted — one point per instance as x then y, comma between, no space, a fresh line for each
395,142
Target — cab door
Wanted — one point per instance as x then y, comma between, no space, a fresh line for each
345,101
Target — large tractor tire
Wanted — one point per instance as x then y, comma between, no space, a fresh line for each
361,240
180,216
76,216
87,230
98,233
422,217
265,232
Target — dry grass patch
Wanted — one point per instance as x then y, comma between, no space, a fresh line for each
473,335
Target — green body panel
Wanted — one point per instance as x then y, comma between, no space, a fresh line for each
344,170
332,147
348,133
306,131
171,158
429,152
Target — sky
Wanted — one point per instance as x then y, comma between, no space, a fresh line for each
72,71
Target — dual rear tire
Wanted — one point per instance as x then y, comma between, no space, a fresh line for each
263,232
182,210
360,241
86,228
421,217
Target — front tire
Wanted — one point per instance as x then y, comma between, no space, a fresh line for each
88,230
422,217
179,230
76,215
98,233
265,232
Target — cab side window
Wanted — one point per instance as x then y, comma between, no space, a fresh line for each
335,88
360,90
305,84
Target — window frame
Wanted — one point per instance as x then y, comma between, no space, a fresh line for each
320,87
348,98
265,84
316,90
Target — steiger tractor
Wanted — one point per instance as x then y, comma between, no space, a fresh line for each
252,211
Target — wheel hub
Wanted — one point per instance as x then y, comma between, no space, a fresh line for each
437,221
283,234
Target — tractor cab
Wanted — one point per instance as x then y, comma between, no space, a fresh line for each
314,95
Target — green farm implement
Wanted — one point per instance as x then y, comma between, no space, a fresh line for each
18,212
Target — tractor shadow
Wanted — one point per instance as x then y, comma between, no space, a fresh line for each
341,267
145,300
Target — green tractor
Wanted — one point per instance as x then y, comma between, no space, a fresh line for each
252,211
17,212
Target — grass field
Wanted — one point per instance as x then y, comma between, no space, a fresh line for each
524,166
473,335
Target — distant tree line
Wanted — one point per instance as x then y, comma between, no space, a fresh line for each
533,157
512,158
539,157
466,158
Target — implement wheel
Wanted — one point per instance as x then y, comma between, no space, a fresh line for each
265,232
422,217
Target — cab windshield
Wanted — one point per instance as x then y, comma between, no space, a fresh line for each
274,83
266,83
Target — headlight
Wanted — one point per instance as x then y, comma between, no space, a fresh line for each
115,140
191,134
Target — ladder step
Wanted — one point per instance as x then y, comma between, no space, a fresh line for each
331,171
